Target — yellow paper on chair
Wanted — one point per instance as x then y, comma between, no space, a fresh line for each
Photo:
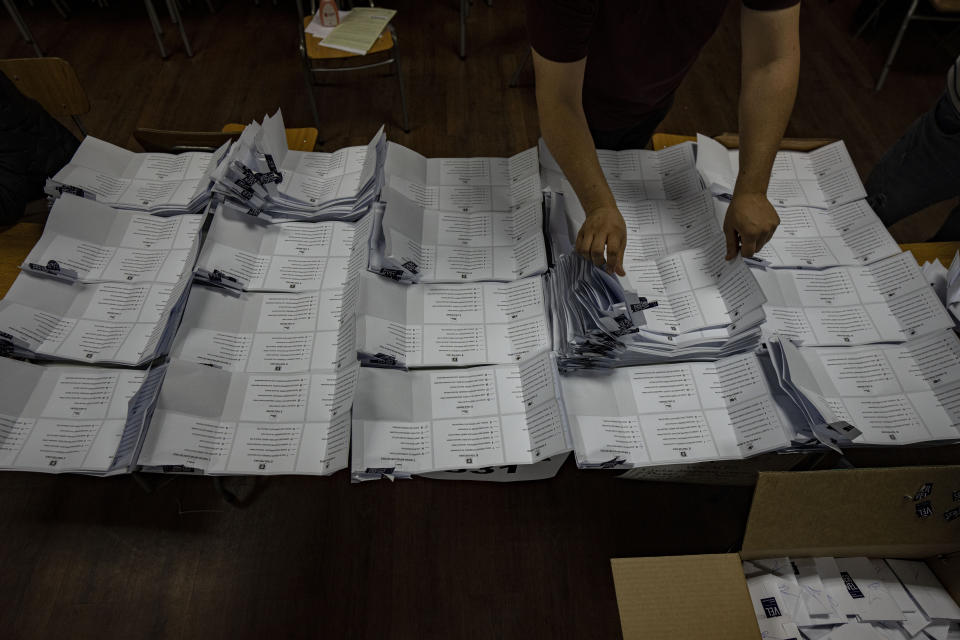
359,30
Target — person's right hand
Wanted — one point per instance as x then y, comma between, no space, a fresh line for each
604,228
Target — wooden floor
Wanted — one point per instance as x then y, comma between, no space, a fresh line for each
312,557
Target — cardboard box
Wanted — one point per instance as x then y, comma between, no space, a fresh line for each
855,512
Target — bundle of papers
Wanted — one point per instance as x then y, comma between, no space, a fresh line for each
84,241
223,422
411,243
668,174
60,418
945,283
263,177
822,178
850,599
442,325
467,185
888,301
156,183
666,414
358,30
877,395
411,422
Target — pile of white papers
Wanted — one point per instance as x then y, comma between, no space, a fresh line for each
822,178
945,283
888,301
411,422
60,418
667,414
264,178
224,422
411,243
156,183
891,394
850,599
635,174
442,325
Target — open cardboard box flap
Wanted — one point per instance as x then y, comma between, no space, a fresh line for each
855,512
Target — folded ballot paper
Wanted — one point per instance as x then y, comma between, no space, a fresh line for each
672,413
822,178
59,418
825,598
444,325
85,241
887,301
412,422
226,422
411,243
156,183
945,283
262,177
888,394
635,174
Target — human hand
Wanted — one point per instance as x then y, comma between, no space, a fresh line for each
749,224
604,227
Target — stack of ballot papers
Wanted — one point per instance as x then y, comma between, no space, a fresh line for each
945,283
635,174
827,598
411,243
823,178
262,177
887,301
885,394
412,422
672,413
443,325
100,286
61,418
157,183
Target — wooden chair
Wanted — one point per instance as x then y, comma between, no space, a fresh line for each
940,11
53,83
318,59
163,141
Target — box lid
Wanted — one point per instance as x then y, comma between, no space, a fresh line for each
684,597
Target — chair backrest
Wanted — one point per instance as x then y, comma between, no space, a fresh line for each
50,81
158,140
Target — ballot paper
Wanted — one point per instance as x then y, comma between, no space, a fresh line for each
59,418
656,228
423,421
109,322
668,174
822,178
263,178
887,301
925,589
431,325
240,252
85,241
694,289
848,235
222,422
665,414
892,394
426,245
158,183
461,184
265,332
359,29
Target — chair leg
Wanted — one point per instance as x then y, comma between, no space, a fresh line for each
870,18
403,95
312,99
172,6
155,23
22,26
61,8
515,80
896,45
210,7
464,9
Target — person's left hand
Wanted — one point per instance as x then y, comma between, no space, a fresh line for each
749,224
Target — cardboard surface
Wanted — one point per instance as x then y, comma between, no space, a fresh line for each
684,598
853,512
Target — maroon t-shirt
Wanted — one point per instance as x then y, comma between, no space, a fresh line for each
637,51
